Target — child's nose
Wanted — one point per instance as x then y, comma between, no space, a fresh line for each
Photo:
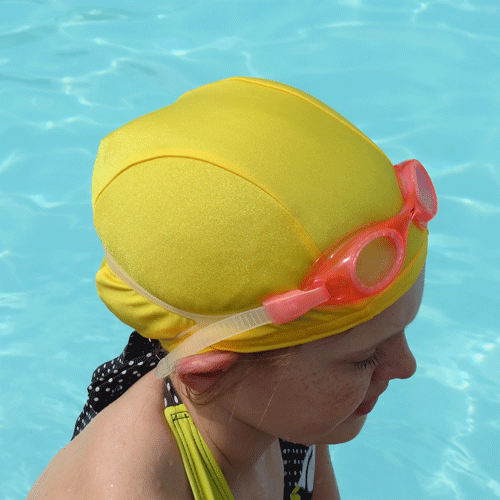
398,361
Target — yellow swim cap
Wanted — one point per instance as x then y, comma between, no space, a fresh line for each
228,196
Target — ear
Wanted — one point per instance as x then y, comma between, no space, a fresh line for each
201,371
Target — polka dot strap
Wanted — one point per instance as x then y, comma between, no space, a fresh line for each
113,378
170,395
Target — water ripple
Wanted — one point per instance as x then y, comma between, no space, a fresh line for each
25,35
13,300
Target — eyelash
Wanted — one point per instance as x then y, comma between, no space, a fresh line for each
372,361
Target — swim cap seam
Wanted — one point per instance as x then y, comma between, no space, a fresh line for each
192,157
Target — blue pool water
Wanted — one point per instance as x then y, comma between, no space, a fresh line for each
422,78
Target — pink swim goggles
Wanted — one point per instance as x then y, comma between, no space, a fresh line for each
366,261
362,264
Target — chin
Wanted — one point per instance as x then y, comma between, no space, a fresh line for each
344,432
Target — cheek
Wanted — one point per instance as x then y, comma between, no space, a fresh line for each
344,394
338,393
349,396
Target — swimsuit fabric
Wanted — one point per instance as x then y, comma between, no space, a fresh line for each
141,355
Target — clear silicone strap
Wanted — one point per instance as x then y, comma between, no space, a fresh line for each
212,334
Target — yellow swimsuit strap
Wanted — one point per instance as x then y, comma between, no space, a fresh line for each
204,474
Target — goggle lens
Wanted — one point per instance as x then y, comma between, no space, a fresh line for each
376,262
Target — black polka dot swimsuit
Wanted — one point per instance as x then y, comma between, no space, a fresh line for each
113,378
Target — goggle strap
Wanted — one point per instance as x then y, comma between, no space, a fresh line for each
288,306
212,334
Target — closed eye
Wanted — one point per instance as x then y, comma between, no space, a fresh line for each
371,361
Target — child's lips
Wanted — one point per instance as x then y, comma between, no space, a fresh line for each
366,407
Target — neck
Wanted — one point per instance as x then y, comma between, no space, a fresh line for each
243,452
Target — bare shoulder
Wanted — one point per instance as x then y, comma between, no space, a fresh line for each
126,452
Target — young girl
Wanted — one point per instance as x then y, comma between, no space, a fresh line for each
269,257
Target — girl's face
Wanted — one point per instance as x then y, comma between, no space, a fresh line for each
322,395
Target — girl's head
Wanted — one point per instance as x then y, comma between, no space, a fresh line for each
226,197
